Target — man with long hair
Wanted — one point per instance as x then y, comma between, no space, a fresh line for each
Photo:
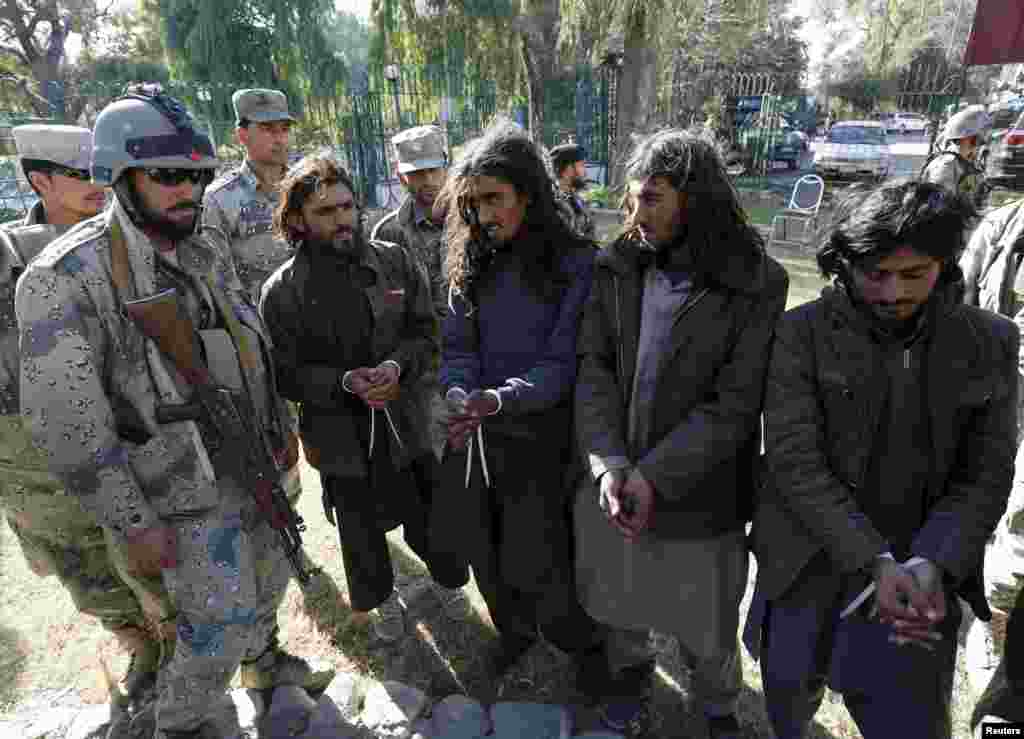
354,335
890,432
673,354
518,278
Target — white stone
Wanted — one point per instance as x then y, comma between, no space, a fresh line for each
89,722
50,722
459,717
391,708
347,690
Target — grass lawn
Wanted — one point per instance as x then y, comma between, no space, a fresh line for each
45,644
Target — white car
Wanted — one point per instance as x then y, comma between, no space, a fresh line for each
854,149
907,123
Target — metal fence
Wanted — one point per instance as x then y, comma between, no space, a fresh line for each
361,119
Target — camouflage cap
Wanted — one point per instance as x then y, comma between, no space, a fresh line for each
260,106
69,146
420,148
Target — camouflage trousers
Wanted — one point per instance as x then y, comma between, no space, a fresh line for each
230,579
58,537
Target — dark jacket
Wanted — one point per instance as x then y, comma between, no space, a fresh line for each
517,342
423,241
404,330
704,425
825,396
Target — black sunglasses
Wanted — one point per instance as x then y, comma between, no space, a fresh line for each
75,174
174,177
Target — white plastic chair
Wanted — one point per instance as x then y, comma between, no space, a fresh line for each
795,224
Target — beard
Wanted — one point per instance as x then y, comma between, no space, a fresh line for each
344,241
149,219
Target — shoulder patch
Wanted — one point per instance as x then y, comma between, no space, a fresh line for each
225,182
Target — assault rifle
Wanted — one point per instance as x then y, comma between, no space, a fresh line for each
230,413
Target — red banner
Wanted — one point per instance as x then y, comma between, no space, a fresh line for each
997,36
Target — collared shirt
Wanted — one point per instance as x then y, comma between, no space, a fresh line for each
240,206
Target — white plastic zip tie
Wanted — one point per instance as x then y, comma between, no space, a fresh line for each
866,592
483,457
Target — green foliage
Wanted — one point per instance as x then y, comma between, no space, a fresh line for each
599,196
236,43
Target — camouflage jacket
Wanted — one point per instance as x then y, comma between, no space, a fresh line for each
421,238
988,262
237,206
20,462
90,380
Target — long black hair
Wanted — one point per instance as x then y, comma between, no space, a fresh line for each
717,232
871,223
505,152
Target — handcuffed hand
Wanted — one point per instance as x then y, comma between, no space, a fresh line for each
151,551
903,604
922,631
359,382
610,497
637,500
461,423
481,403
385,385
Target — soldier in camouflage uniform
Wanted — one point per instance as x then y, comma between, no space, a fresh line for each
568,162
422,168
993,267
56,534
242,202
954,166
90,385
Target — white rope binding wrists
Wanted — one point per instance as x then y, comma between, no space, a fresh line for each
479,434
373,427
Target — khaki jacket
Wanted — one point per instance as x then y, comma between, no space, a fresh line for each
244,212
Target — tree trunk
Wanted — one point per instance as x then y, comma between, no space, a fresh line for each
637,90
538,39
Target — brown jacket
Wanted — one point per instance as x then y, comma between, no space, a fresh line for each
823,402
704,427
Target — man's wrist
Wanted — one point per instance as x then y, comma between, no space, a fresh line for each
345,382
497,396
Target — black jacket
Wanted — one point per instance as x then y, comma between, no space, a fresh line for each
826,388
404,330
704,429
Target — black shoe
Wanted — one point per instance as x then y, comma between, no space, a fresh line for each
724,727
504,653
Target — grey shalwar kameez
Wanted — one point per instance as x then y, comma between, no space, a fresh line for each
688,588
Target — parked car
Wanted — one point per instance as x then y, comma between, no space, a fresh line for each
906,123
1005,162
854,149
